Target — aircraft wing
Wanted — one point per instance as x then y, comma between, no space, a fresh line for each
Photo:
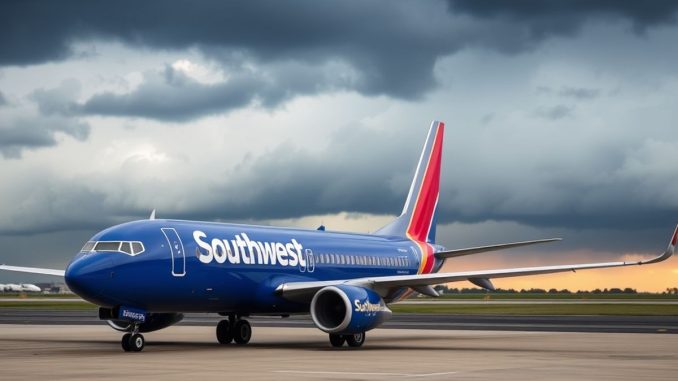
33,270
299,291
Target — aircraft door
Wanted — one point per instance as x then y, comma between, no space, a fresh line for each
177,250
310,260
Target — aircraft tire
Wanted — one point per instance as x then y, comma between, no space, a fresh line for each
242,331
136,342
224,332
355,340
337,340
125,342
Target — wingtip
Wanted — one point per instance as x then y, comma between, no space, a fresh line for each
669,250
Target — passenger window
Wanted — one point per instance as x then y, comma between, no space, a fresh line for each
126,248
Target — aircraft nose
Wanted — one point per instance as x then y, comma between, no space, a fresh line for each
88,276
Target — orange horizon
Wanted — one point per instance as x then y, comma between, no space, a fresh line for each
647,278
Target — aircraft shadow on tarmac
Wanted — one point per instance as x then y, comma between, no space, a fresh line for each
392,343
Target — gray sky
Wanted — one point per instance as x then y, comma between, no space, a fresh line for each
561,118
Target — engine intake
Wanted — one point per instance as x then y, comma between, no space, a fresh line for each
347,309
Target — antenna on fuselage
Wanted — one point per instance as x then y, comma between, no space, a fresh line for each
152,216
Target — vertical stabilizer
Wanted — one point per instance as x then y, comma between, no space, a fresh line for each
418,218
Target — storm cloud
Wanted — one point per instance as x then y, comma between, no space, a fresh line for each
173,96
545,18
23,133
390,48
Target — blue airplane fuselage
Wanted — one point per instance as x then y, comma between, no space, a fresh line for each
214,267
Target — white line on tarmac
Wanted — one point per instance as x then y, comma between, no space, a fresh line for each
365,373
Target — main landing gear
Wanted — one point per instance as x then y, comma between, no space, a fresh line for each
234,329
355,340
133,341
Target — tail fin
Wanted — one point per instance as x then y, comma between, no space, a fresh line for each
418,219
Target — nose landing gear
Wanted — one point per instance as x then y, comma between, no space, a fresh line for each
133,341
234,329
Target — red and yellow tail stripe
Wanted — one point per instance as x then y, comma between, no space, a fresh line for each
426,202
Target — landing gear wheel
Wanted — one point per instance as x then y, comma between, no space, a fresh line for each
125,342
337,340
355,340
136,342
242,332
224,334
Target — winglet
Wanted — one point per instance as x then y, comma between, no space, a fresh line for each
152,216
669,250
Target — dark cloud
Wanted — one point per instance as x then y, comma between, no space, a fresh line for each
391,47
394,54
579,93
22,129
19,134
173,96
59,100
555,112
351,175
357,173
3,101
544,18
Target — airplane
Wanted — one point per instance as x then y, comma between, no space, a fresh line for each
145,274
24,287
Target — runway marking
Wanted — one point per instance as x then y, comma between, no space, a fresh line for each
365,373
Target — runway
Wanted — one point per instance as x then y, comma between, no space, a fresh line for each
29,352
617,324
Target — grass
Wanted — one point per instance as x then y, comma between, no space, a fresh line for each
36,295
47,305
513,296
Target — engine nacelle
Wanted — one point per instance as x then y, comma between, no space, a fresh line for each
153,322
347,309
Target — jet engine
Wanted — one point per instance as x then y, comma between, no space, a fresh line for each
345,309
154,321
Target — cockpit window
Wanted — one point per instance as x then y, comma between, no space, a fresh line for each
125,247
137,248
107,246
88,246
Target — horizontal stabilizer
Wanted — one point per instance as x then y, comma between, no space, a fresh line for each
483,249
33,270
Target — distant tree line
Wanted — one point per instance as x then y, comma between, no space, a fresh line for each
473,290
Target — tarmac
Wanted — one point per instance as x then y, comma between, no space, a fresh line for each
77,352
